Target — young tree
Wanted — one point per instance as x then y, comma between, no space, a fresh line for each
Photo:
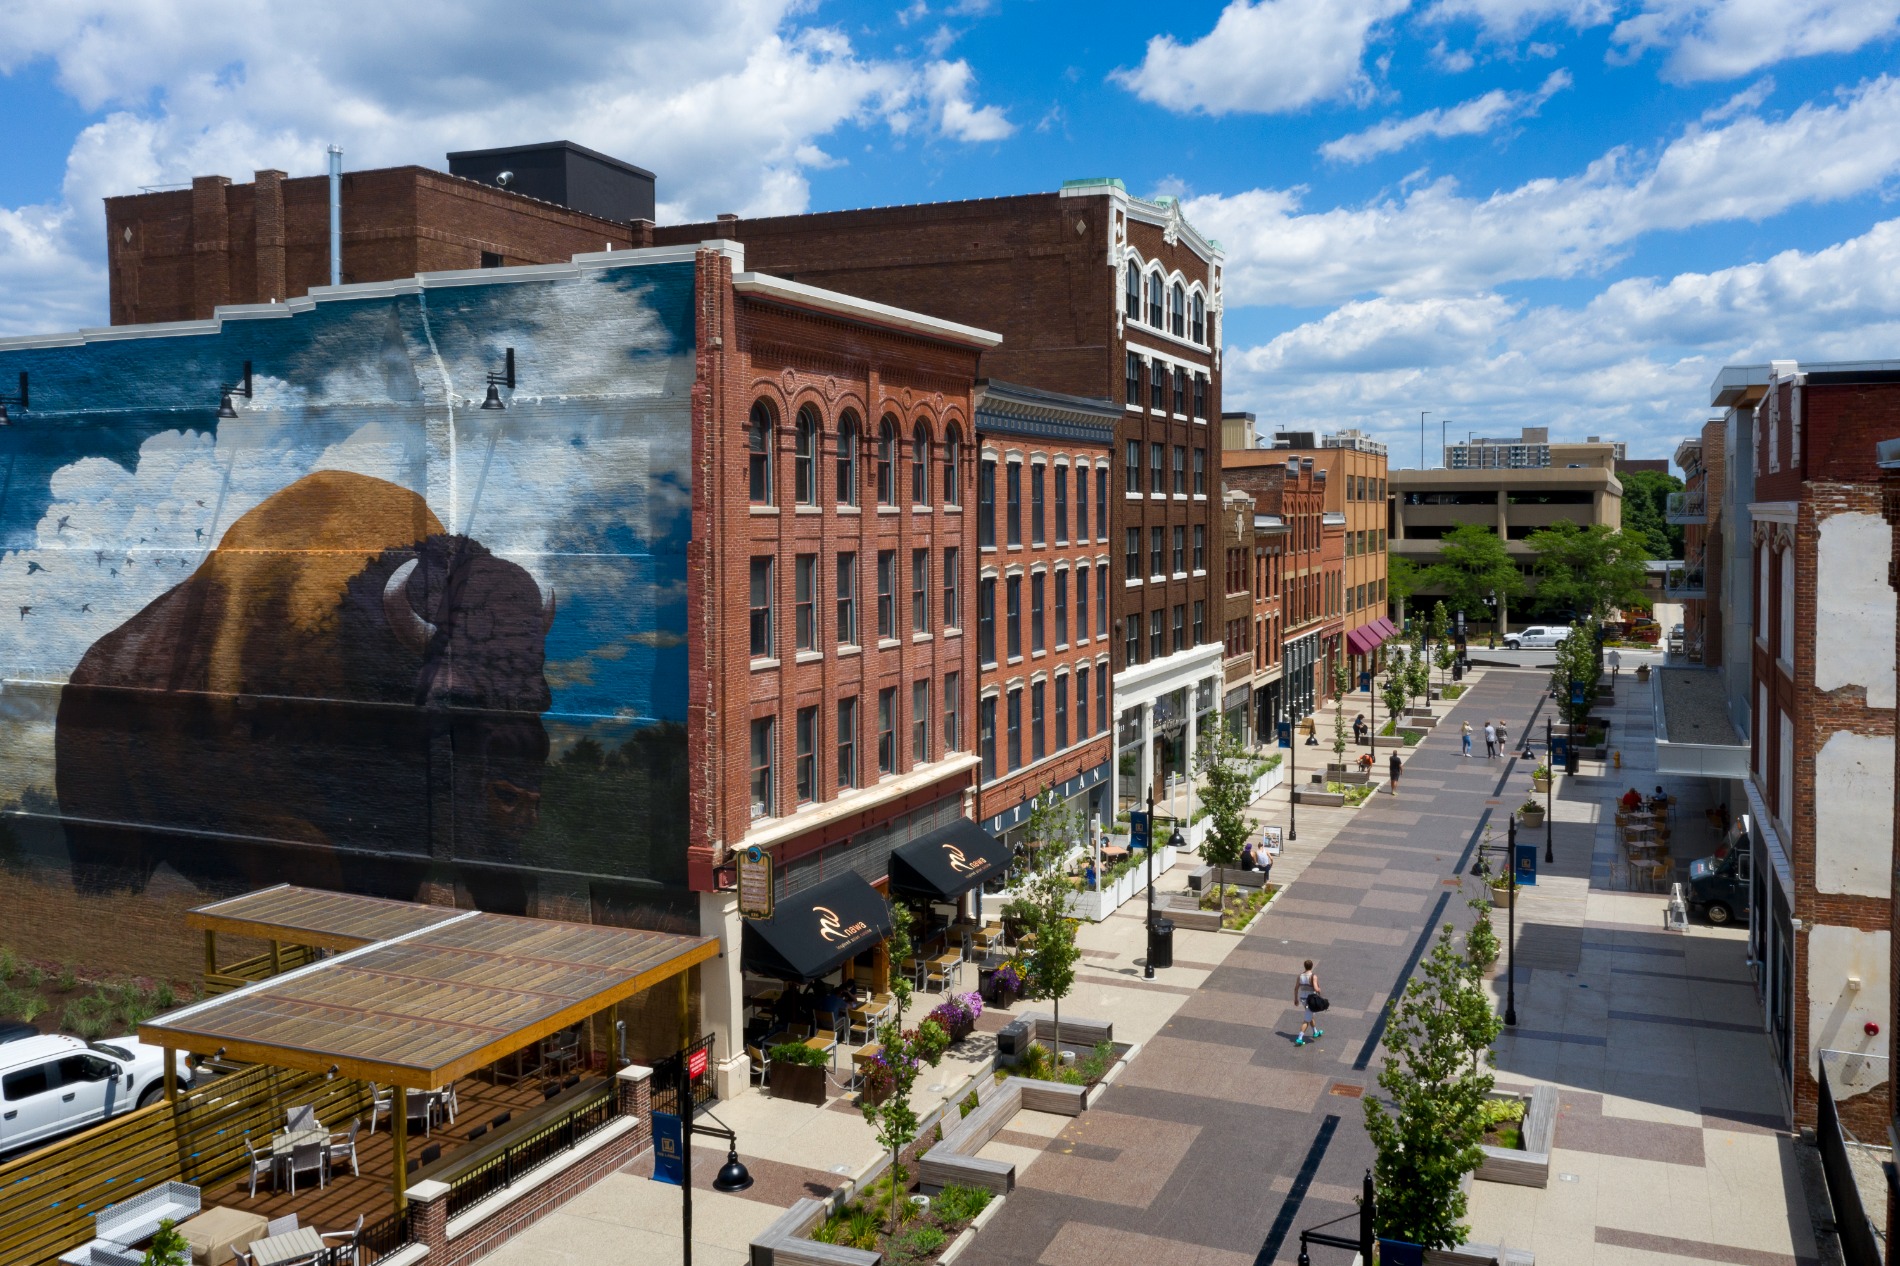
1576,663
1427,1128
904,1053
1342,679
1051,960
1472,565
169,1247
1587,569
1052,823
1229,790
1398,674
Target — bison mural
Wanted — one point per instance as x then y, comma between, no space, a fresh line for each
341,689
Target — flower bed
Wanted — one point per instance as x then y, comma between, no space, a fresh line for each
957,1014
1352,795
1242,904
1038,1063
922,1232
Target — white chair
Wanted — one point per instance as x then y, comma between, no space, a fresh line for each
280,1226
420,1105
382,1104
344,1145
350,1239
306,1158
263,1163
302,1117
450,1104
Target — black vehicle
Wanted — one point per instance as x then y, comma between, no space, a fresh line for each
1718,886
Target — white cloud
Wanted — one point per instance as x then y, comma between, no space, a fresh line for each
1748,99
728,101
1268,56
1468,118
1721,39
1510,20
1433,239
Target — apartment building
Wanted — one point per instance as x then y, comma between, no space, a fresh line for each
1236,544
1270,537
1531,449
1291,490
1042,601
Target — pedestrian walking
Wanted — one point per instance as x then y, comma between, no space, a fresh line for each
1393,766
1465,734
1490,740
1504,739
1616,662
1303,998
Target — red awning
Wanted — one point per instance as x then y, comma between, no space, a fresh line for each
1368,637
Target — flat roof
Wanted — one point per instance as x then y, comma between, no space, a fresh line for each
311,916
422,1007
1694,735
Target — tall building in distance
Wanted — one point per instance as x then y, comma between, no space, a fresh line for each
1098,295
1529,450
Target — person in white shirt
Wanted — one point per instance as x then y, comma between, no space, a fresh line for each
1302,995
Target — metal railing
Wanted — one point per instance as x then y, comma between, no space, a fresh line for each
1688,506
1685,583
671,1072
515,1160
1858,1246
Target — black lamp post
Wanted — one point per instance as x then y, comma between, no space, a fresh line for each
732,1176
1293,781
1550,794
1510,935
1148,847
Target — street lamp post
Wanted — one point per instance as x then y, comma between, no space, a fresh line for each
732,1176
1148,847
1510,947
1550,792
1292,783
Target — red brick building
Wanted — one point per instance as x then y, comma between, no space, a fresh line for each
1099,295
1289,488
1270,537
1237,544
176,254
1042,601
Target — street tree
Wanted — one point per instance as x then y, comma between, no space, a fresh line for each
1398,674
903,1054
1587,569
1228,792
1645,511
1472,566
1050,960
1576,664
1427,1125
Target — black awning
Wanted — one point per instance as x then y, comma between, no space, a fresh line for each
948,862
815,930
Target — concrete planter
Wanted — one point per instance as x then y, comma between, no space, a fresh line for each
1388,740
1530,1165
1542,784
1421,721
1530,821
1348,773
1500,897
798,1083
1329,799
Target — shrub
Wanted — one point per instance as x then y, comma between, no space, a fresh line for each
68,980
1498,1111
964,1109
9,964
921,1241
800,1054
959,1204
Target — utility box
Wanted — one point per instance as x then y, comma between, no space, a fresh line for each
563,173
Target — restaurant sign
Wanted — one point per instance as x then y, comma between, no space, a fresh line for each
755,883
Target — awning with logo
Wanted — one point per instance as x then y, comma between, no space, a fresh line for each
816,930
1369,637
948,862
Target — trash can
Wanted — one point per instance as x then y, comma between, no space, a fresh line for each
1012,1041
1161,943
1458,670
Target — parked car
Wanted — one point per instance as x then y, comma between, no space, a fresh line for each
1718,886
1540,636
52,1085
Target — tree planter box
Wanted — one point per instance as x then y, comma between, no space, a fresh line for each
1530,1165
1418,712
1332,799
798,1083
1420,721
1348,773
1388,740
1268,781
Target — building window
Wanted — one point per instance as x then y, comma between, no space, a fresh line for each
887,593
1131,648
1062,505
1036,476
1081,702
920,466
886,455
491,259
758,442
919,722
762,608
953,466
887,730
1180,628
1180,548
952,599
1131,300
805,457
986,503
1197,330
1036,586
1200,472
1180,471
1157,386
1015,725
1200,623
847,463
1131,380
1101,601
1200,547
804,601
1157,635
986,735
1132,466
986,621
847,599
1062,608
1038,748
1081,504
1177,311
1200,395
1062,712
1101,701
952,740
1180,390
805,769
1014,508
1101,503
1081,604
1013,615
1157,552
1131,562
920,591
848,742
1157,471
1155,286
762,768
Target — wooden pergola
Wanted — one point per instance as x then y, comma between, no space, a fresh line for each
414,996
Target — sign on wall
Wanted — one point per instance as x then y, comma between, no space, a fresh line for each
755,883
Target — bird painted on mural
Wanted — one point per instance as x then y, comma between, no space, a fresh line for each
115,571
25,612
128,560
32,567
200,532
64,519
85,606
99,557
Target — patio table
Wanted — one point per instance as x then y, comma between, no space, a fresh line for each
215,1232
291,1246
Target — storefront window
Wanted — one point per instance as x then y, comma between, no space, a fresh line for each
1128,739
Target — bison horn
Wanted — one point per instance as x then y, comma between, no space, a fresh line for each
410,629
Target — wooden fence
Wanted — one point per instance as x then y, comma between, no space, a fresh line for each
49,1196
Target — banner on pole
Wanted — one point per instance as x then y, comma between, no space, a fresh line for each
669,1149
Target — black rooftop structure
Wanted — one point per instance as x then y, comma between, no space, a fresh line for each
565,173
816,929
948,862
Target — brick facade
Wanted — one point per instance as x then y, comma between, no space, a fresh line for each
1311,568
1236,545
1704,475
175,255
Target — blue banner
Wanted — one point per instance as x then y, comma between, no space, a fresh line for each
669,1149
1527,865
1138,829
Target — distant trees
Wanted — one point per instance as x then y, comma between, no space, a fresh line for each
1473,566
1645,503
1588,570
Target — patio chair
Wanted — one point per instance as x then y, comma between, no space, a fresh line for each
280,1226
803,1033
242,1258
564,1050
450,1103
302,1117
343,1146
759,1070
261,1163
352,1239
382,1104
306,1158
839,1022
420,1105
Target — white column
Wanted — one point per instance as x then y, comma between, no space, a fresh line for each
1147,752
722,991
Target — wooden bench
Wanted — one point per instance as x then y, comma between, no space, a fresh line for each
1076,1030
954,1162
1184,912
784,1243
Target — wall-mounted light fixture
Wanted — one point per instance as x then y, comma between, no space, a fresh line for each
506,378
227,409
17,401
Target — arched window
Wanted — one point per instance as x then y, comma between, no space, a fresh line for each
920,466
1199,328
758,442
848,459
1177,311
1155,287
1132,301
805,457
886,454
953,466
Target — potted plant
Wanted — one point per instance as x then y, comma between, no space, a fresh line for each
1006,985
1642,672
1500,891
1540,778
798,1072
957,1014
880,1080
1531,813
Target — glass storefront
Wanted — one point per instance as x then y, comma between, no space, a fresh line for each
1235,710
1170,740
1129,792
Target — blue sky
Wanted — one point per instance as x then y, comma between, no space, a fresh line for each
1509,212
